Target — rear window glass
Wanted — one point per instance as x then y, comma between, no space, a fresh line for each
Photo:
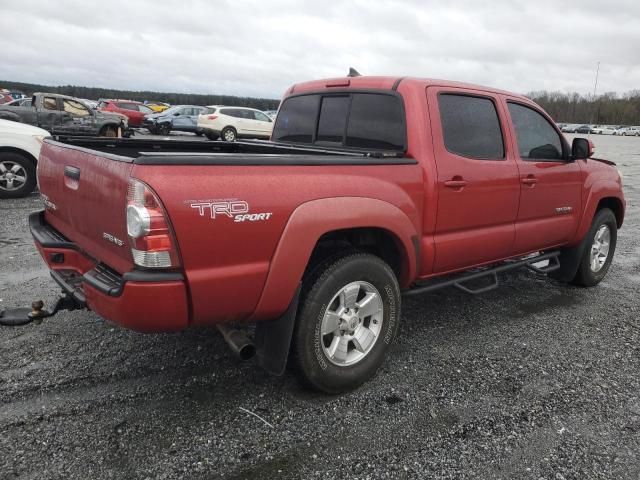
360,120
297,119
333,119
376,121
471,127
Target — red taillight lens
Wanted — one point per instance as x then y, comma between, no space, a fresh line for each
150,236
212,117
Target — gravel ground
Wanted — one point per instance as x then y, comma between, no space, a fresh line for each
531,380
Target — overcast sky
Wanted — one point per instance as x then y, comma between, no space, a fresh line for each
260,47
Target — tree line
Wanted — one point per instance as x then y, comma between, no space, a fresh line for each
606,109
93,93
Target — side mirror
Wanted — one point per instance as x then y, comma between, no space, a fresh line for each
581,149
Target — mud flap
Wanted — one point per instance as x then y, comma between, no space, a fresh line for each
273,339
569,262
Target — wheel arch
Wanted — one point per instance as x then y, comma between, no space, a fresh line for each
19,151
314,225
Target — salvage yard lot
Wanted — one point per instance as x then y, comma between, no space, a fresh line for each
533,379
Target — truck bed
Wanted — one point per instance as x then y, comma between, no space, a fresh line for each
189,152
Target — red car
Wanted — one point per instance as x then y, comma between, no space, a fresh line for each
134,111
372,188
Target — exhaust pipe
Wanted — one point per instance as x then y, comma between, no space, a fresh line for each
238,342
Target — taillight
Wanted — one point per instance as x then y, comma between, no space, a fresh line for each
150,236
212,117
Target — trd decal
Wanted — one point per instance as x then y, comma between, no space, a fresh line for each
236,209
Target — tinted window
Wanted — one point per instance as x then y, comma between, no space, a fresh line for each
226,111
128,106
376,121
537,139
333,119
297,119
144,109
470,126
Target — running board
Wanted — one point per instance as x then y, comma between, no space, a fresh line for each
459,280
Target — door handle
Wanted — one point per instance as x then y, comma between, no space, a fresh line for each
72,172
530,180
455,183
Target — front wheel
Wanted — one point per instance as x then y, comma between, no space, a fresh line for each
164,128
348,317
599,249
17,175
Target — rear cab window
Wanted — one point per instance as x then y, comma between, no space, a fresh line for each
352,119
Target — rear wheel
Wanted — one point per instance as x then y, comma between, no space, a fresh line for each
599,249
212,136
17,175
348,317
229,134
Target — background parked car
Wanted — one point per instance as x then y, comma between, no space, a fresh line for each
583,129
604,129
628,131
134,111
19,151
157,107
182,118
569,127
5,97
64,115
231,123
20,102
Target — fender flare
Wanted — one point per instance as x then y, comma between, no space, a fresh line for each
599,190
313,219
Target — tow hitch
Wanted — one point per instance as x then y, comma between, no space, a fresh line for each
14,317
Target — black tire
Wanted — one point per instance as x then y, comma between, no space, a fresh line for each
229,134
152,130
586,276
199,134
19,166
212,136
164,129
320,286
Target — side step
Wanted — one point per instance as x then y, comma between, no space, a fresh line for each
459,280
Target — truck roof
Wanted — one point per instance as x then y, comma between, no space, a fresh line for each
388,83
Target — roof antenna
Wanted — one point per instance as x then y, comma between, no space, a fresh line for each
595,86
353,72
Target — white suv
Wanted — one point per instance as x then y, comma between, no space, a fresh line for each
231,123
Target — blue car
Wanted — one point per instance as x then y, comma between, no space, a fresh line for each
181,118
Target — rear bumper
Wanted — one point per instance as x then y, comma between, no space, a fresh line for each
145,301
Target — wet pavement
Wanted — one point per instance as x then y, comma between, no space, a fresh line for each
532,380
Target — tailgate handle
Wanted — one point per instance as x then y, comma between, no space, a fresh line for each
72,172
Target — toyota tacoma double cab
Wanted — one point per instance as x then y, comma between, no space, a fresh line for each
64,115
371,189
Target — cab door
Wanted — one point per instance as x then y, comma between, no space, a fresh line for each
262,125
477,178
551,186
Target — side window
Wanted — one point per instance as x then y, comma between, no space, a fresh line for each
49,103
471,127
261,116
144,109
76,109
537,139
333,119
296,120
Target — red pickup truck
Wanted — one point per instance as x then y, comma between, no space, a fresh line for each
370,189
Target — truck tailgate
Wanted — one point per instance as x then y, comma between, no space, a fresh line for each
85,195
